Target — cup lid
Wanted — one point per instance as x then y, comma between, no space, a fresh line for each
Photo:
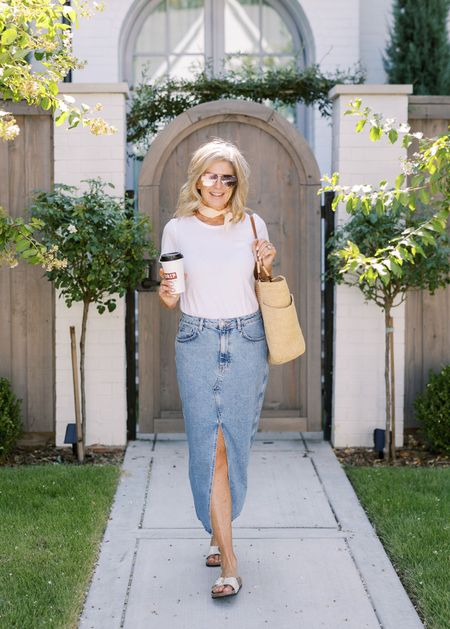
168,257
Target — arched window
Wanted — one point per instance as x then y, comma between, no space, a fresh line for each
172,37
177,37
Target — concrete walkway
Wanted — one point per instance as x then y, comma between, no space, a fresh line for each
307,554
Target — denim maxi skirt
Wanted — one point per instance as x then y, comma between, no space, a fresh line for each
222,373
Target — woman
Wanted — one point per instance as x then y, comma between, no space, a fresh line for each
220,348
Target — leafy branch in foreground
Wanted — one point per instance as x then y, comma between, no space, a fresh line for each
396,238
17,242
428,173
35,55
154,105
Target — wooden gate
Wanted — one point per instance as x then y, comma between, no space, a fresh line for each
283,190
26,297
427,317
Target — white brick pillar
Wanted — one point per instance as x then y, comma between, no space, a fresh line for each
358,371
80,155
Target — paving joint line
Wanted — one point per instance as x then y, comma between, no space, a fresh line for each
130,581
147,489
363,581
313,463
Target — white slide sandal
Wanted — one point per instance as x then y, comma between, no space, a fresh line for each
235,582
213,550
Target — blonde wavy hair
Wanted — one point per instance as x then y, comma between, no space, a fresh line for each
214,151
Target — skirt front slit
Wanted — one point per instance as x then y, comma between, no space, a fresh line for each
222,373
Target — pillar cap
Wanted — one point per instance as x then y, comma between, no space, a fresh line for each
93,88
364,89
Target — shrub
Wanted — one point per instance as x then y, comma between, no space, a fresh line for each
10,419
433,410
419,48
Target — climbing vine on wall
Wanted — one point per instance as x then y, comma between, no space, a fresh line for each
154,105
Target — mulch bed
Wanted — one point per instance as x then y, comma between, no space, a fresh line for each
415,453
48,454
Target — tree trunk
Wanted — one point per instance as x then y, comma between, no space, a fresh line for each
392,369
387,318
76,396
389,378
82,378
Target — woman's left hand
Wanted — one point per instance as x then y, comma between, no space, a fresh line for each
265,252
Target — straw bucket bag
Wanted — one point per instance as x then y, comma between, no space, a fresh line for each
283,333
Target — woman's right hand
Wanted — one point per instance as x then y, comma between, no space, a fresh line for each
168,298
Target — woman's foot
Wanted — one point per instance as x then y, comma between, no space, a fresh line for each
213,559
234,583
229,569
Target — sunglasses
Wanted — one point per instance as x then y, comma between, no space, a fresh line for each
209,179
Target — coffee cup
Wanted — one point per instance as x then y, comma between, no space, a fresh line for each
173,267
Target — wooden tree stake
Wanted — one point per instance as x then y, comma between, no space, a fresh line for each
76,394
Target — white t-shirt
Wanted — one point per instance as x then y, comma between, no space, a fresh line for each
219,265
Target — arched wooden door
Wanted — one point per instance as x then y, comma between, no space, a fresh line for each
283,190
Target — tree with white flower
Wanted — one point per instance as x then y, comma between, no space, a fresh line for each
396,239
104,244
35,55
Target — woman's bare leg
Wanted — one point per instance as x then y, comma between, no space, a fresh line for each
221,513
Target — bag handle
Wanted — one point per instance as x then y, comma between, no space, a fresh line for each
259,265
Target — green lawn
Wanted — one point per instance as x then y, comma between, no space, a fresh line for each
52,518
410,510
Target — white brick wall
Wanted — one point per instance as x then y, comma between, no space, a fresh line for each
358,387
374,21
80,155
97,42
344,33
105,373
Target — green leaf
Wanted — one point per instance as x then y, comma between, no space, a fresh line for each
437,224
28,253
396,269
375,133
45,103
417,180
21,245
53,88
404,198
406,142
379,207
69,13
9,36
365,205
60,119
360,125
337,199
393,136
399,181
424,196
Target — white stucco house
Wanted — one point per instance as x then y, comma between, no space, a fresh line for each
170,36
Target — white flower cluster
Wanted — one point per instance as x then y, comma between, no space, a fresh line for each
8,127
51,261
98,126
